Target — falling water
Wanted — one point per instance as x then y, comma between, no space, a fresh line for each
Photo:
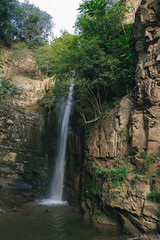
58,175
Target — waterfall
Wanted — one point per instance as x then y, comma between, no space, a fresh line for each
57,183
56,191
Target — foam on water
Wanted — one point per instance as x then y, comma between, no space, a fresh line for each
50,202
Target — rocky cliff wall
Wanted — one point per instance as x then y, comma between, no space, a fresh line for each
132,6
23,166
24,107
121,177
19,60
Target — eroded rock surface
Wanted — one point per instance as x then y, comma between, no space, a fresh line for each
21,150
132,6
23,159
122,170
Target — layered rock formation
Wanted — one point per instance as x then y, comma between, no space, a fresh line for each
122,171
21,149
23,159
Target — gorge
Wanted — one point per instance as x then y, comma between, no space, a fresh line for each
112,172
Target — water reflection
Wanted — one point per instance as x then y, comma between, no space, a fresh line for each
52,223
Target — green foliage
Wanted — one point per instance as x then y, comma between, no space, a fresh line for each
44,59
100,18
116,176
102,59
115,195
136,178
153,196
6,87
59,90
7,29
148,161
158,172
56,58
123,49
33,25
24,21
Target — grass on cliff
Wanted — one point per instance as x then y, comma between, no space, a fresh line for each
115,175
7,88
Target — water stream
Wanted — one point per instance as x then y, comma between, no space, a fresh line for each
56,192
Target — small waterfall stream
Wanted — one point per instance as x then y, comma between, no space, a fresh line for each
56,191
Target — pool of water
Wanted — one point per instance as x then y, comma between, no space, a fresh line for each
38,222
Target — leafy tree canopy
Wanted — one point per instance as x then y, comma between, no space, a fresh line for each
101,58
24,21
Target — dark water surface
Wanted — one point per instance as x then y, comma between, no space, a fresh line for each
34,222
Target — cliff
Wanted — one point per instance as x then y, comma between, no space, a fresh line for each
113,172
121,174
23,159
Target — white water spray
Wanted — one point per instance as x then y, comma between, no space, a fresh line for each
58,175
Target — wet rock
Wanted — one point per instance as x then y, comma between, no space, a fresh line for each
2,211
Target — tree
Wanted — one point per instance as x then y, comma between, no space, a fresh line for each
106,59
101,58
24,21
32,24
100,18
44,59
7,29
55,58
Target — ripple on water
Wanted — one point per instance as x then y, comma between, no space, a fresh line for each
52,222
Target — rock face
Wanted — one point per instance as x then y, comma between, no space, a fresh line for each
22,159
132,8
23,153
121,177
147,35
19,60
